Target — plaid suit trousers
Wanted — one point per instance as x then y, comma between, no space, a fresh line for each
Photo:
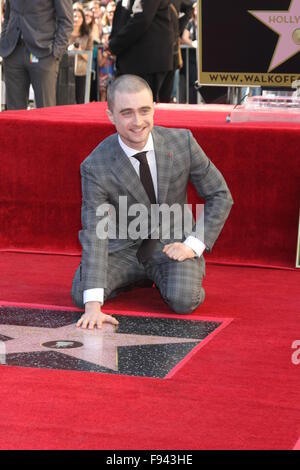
179,283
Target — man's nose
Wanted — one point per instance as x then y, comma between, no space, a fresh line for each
137,118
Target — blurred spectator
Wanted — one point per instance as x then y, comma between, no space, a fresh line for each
189,37
77,6
180,11
91,24
94,32
96,7
142,40
80,40
34,37
2,11
107,19
106,62
98,11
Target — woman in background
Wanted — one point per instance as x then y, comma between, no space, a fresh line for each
108,16
80,40
91,24
94,32
98,12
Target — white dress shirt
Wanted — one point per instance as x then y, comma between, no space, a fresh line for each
97,294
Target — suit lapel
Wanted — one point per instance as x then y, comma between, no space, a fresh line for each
126,174
164,162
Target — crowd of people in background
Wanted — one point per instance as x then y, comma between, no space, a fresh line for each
99,17
94,30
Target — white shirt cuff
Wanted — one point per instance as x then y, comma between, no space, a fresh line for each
196,245
93,295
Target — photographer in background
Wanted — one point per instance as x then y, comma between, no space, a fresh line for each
80,40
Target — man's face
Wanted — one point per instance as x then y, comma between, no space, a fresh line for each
133,117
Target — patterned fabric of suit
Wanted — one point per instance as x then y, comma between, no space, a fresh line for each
108,174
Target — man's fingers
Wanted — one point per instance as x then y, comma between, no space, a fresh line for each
85,323
171,253
171,250
112,320
79,321
92,323
97,321
168,248
178,251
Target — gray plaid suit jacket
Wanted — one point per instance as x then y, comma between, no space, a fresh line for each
107,174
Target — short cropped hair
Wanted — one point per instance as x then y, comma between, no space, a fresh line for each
128,84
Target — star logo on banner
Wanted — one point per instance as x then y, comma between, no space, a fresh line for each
99,347
287,25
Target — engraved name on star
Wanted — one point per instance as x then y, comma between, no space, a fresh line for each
287,25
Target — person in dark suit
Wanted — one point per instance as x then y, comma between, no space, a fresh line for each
181,11
34,37
140,169
142,40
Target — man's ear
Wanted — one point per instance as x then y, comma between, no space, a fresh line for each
110,115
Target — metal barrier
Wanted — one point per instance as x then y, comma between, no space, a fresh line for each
187,72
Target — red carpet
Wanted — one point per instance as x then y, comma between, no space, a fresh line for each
241,390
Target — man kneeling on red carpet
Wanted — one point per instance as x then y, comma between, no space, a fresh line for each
137,228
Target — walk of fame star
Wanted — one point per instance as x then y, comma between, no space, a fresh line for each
97,346
138,346
287,25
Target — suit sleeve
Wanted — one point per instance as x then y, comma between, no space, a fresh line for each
94,247
64,18
143,12
212,187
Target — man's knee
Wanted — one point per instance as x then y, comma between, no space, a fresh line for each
185,303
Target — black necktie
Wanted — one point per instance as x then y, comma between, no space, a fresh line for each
146,248
145,176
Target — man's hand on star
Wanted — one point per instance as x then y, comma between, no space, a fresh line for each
93,317
178,251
